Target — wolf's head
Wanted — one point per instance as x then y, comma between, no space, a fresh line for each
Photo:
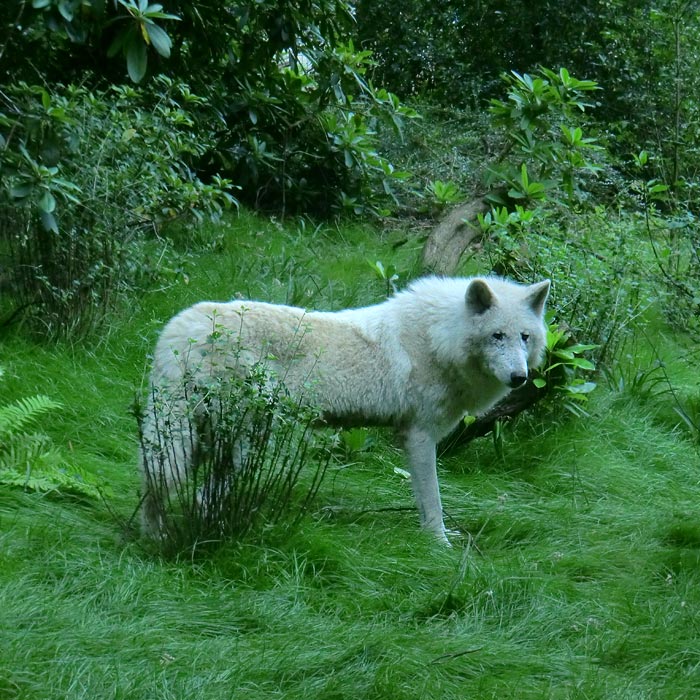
508,320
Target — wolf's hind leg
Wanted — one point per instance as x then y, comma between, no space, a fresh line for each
168,442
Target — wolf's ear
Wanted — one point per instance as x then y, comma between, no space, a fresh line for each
480,296
537,296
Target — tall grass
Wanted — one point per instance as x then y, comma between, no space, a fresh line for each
577,574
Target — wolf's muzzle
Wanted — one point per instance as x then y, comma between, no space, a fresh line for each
517,380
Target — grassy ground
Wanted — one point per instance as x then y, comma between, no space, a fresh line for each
581,577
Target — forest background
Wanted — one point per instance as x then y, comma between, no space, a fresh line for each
120,117
323,153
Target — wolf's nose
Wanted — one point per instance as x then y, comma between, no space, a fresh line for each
517,379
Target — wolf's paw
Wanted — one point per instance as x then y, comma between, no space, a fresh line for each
452,535
442,537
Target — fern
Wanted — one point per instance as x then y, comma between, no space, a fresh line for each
29,460
51,479
17,416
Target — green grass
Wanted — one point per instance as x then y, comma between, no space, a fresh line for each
580,577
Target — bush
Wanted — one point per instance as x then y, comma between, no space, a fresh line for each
87,176
228,457
294,116
301,135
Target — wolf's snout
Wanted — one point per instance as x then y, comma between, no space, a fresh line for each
517,379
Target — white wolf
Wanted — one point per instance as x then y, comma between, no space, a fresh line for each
417,362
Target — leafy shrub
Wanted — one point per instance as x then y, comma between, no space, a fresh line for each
294,115
453,52
443,193
87,175
605,284
302,134
643,53
673,236
79,34
540,118
561,373
252,458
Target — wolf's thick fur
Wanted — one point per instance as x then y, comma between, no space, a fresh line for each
417,362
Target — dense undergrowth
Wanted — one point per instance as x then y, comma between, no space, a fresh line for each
576,576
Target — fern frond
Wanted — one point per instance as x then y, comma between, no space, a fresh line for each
15,417
32,463
27,450
51,480
29,460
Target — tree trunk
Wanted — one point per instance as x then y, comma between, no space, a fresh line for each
452,236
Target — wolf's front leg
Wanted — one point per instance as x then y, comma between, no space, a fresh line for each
420,452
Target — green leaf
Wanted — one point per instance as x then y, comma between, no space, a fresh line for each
583,388
47,202
159,38
48,221
21,191
582,363
378,267
580,347
117,44
156,14
524,177
539,382
136,60
66,11
555,336
46,478
17,416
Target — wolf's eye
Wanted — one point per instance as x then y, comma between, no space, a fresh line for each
525,337
499,336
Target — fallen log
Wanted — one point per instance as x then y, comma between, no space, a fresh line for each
513,404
